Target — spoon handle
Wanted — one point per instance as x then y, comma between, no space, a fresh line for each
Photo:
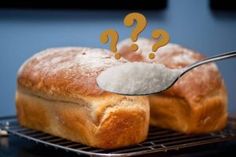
211,59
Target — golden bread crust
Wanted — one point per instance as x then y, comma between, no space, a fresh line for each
117,124
197,102
65,72
57,94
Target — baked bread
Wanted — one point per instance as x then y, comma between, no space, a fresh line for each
197,103
57,94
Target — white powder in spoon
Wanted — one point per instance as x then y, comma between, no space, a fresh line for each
137,78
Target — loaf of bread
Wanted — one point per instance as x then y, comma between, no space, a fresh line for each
197,103
57,94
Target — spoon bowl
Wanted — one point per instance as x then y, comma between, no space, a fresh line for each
139,78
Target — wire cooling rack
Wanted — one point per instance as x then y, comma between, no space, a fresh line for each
159,140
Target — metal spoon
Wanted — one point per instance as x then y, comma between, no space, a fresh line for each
180,73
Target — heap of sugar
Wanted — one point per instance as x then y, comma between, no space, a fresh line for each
137,78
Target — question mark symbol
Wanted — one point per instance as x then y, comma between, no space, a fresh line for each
113,35
141,23
162,39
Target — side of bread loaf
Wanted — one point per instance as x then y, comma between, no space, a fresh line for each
197,103
57,94
210,113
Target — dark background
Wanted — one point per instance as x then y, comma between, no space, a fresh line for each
191,23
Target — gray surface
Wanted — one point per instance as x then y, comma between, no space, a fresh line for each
189,23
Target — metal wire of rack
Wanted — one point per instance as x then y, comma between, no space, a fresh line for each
159,140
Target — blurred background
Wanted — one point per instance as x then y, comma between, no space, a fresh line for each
26,27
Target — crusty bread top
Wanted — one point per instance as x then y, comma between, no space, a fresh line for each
199,83
65,72
72,71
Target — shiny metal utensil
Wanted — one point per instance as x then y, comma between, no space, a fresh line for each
171,82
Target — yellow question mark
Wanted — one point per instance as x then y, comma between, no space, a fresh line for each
114,37
141,23
162,39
